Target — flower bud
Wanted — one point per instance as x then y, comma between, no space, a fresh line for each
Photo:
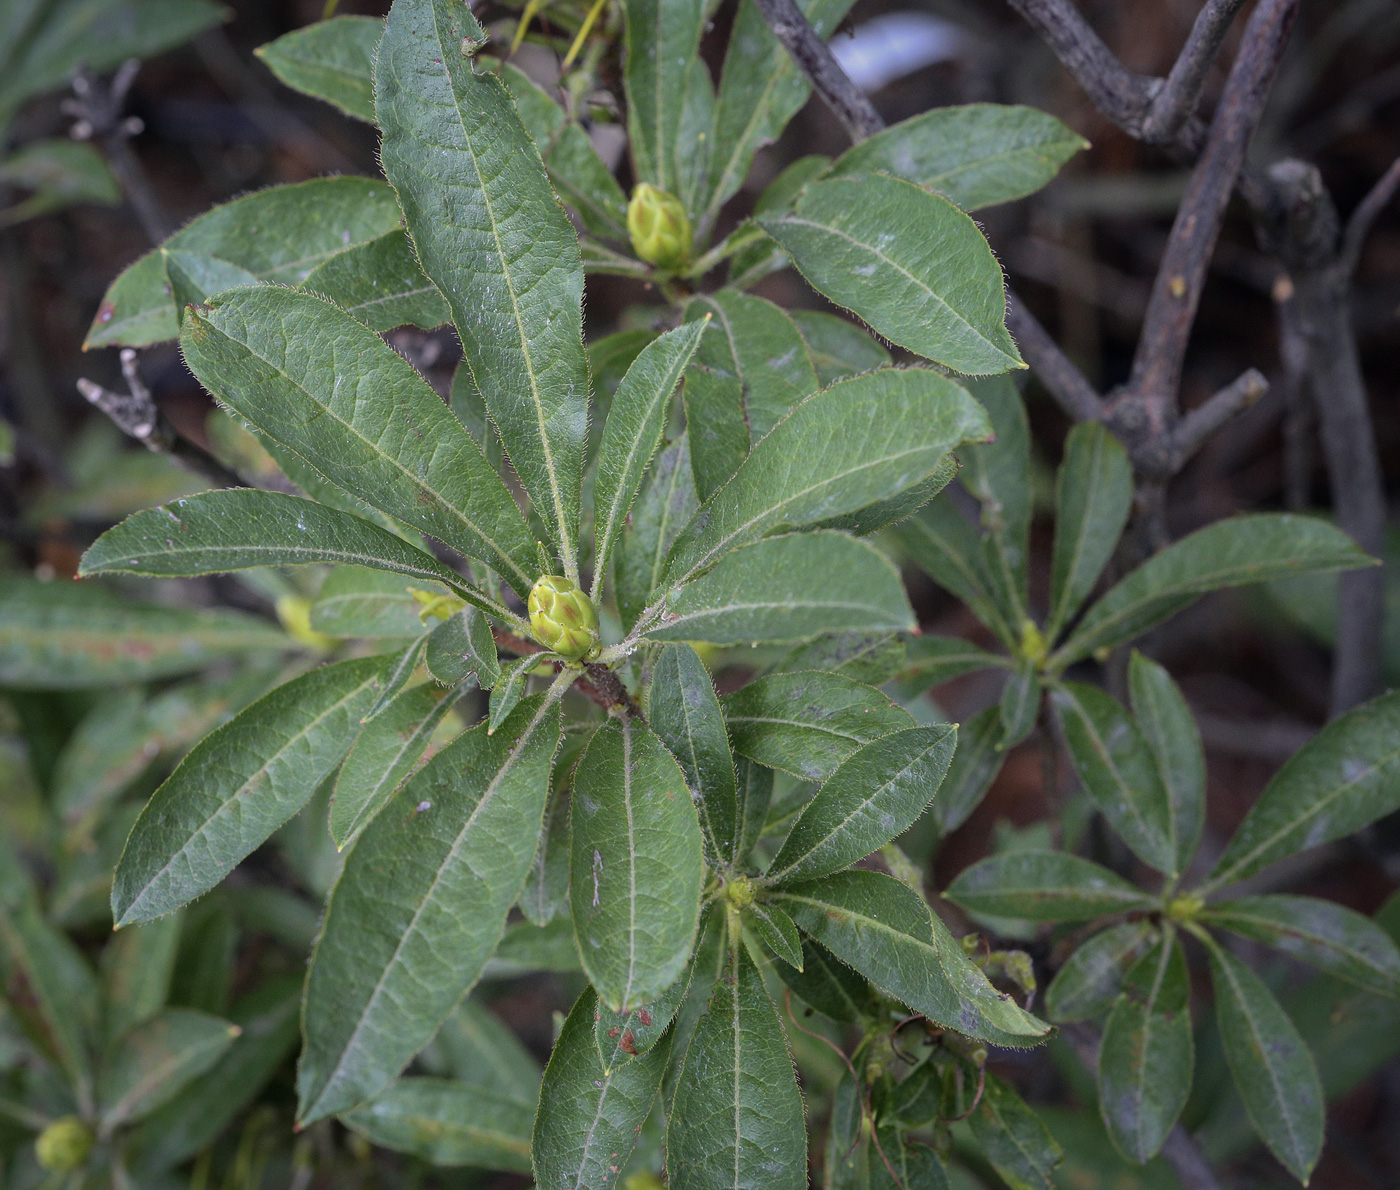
64,1145
659,229
564,619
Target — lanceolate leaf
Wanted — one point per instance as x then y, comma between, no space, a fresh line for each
315,221
357,602
491,235
737,1115
876,794
589,1113
751,367
447,1122
1119,771
839,349
827,984
1323,933
1229,553
976,156
462,646
807,723
975,766
278,358
788,588
887,932
1170,731
637,865
998,474
1346,776
330,60
1044,886
387,750
1093,496
1147,1056
635,424
882,248
755,788
775,930
685,714
1091,978
667,501
1019,705
238,785
242,528
379,283
623,1035
1273,1068
663,37
860,440
869,657
1013,1138
420,906
156,1059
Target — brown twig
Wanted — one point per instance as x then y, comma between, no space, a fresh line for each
1062,380
1359,225
137,415
1198,425
1175,101
599,683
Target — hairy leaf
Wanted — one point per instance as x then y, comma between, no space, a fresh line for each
1044,886
447,1122
379,283
1013,1138
331,60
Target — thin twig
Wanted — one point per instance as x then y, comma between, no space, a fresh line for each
847,101
1175,101
1359,225
1065,382
1193,429
599,683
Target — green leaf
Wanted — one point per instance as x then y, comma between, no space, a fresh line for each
1342,779
839,349
1012,1137
1337,940
242,528
751,368
869,657
331,60
827,984
590,1113
1230,553
379,283
60,173
547,886
474,1046
884,249
136,968
315,221
508,690
1273,1068
929,660
1044,886
1091,978
491,235
1019,704
737,1115
526,948
578,174
662,40
975,156
866,439
755,790
887,932
420,906
876,794
238,785
388,748
684,711
975,766
1147,1056
637,865
636,421
461,647
1093,496
623,1035
1119,771
807,724
1170,731
775,929
358,602
788,588
152,1063
446,1122
405,665
60,636
666,503
277,358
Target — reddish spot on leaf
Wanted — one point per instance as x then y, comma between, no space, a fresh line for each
644,1016
628,1044
614,1031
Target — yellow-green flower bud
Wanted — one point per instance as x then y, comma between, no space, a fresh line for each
64,1145
564,619
659,229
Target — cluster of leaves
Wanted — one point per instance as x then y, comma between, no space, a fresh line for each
692,855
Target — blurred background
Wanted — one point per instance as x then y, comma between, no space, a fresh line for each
214,123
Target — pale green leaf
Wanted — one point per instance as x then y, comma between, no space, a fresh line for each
1044,886
975,766
461,647
420,906
379,283
238,785
665,505
153,1062
374,603
1170,731
637,865
475,1046
976,155
137,964
775,929
807,724
491,235
449,1123
278,358
839,349
1088,983
331,60
1013,1138
1019,704
405,665
870,657
508,690
907,262
662,40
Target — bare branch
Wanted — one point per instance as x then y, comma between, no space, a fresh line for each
136,414
1359,225
599,683
1175,102
1066,383
1176,292
1204,420
847,101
